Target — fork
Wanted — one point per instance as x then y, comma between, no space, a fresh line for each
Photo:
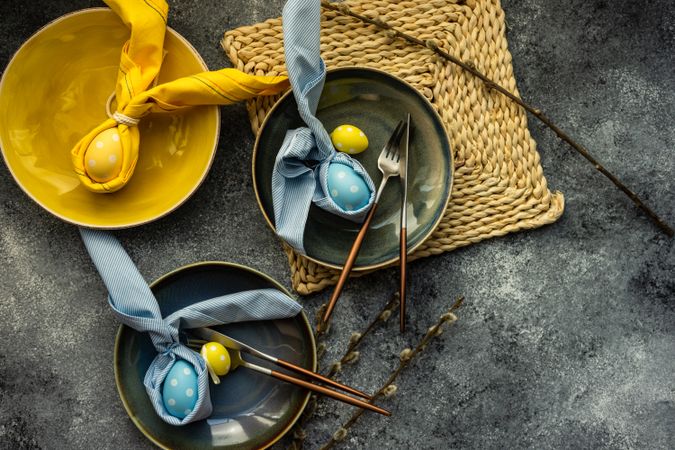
238,361
207,334
388,164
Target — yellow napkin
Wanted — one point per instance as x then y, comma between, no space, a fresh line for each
140,62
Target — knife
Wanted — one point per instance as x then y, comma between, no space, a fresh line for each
403,164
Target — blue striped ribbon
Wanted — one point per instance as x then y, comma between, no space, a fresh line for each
295,185
134,305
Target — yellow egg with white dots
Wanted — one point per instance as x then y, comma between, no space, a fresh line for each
103,158
349,139
217,357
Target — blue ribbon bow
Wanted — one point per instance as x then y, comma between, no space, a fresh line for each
134,305
295,185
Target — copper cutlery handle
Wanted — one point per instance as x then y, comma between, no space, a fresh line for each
325,391
403,262
349,263
316,376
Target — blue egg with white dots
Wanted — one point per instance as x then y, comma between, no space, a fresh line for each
346,187
179,392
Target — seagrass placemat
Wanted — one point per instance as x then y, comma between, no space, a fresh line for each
499,184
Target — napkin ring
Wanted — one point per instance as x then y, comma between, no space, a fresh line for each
118,116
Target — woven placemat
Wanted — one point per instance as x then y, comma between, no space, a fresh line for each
499,185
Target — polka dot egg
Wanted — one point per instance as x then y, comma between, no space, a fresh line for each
217,357
346,187
179,392
349,139
103,158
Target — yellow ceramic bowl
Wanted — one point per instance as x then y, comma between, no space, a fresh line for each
54,90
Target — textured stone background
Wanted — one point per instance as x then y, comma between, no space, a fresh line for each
567,338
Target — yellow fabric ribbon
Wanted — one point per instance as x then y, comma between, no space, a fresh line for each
140,62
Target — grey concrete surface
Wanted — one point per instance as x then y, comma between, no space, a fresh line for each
567,337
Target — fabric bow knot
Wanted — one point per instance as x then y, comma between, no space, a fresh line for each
140,63
295,185
134,304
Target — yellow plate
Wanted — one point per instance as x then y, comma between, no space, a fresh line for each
54,90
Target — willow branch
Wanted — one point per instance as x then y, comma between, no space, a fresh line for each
433,46
388,388
350,356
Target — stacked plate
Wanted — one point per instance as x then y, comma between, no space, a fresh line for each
375,102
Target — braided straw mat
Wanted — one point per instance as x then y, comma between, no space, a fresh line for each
499,185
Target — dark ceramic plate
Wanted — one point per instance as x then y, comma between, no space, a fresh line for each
250,410
374,101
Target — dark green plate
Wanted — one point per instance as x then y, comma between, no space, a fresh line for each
374,101
250,410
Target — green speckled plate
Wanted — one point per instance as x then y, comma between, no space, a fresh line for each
250,410
374,101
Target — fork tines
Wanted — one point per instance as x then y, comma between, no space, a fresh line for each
392,143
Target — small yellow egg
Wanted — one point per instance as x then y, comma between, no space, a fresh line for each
217,357
349,139
103,158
